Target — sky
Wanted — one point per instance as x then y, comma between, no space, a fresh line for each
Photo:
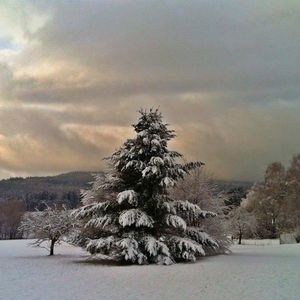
73,75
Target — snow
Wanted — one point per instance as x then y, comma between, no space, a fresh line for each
263,242
250,272
135,216
130,249
154,247
100,222
167,182
129,195
175,221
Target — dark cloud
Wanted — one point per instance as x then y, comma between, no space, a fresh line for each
224,73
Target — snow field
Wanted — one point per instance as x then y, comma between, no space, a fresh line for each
250,272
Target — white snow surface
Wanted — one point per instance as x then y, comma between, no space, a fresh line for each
250,272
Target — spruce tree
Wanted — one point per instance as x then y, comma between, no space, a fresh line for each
138,222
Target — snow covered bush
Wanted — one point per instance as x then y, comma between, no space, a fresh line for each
48,226
140,222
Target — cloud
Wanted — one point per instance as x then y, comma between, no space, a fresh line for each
33,142
72,77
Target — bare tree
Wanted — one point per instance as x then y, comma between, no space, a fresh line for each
292,207
242,223
199,188
49,225
267,199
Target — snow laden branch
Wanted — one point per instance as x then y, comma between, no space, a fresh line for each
185,248
101,222
175,221
91,210
135,217
201,237
186,206
129,195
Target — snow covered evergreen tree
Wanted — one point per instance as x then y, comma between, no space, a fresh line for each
138,222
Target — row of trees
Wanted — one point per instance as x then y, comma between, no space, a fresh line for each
40,200
11,213
16,198
34,192
275,202
272,206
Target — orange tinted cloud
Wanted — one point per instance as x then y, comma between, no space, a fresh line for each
73,76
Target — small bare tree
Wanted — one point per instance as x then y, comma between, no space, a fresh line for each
49,225
242,222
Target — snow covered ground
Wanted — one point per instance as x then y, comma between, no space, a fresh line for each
250,272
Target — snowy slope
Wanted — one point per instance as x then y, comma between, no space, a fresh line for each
251,272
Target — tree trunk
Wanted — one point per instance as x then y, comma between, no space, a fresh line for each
52,247
240,238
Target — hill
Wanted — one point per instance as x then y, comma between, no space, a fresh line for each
65,188
34,191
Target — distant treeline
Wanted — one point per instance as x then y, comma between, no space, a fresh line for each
35,192
18,195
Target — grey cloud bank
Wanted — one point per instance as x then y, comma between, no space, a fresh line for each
224,73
